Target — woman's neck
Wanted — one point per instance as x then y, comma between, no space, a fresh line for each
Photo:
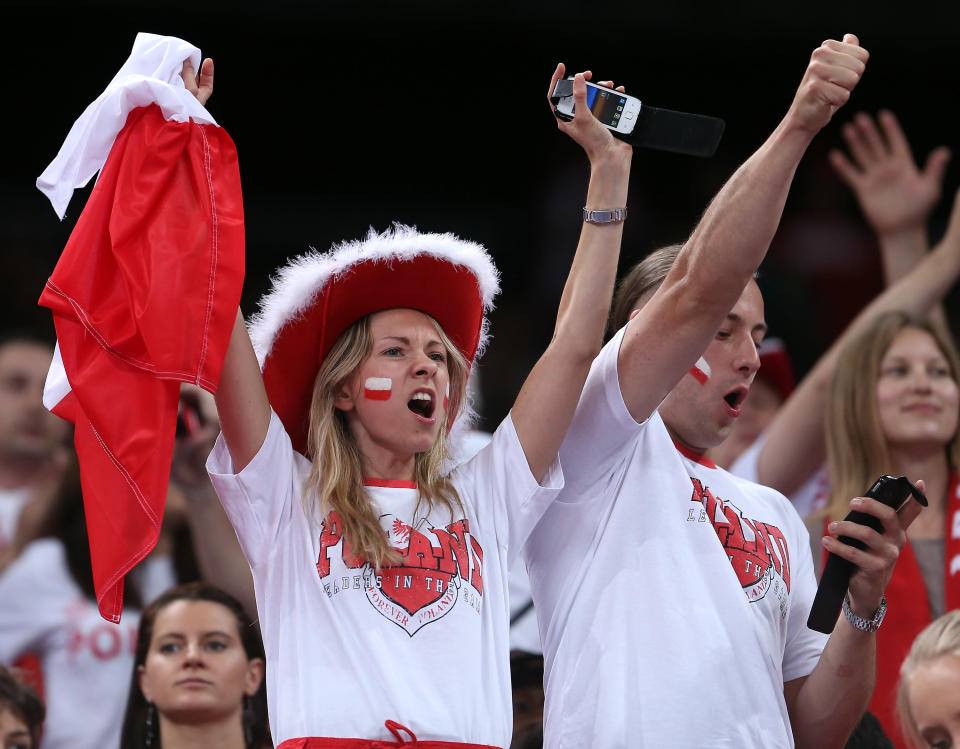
933,468
378,462
225,733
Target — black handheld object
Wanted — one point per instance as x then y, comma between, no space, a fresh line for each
661,129
893,492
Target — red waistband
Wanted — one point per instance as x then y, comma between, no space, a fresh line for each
400,742
320,742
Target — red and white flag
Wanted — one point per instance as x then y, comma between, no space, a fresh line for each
144,295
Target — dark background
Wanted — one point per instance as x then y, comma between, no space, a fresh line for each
348,115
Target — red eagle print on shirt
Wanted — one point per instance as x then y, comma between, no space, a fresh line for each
440,567
757,551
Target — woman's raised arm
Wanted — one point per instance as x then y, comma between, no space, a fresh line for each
546,403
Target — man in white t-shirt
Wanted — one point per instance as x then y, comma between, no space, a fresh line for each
31,438
673,596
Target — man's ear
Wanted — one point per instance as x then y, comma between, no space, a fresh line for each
634,313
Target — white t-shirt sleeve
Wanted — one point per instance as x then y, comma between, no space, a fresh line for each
602,432
32,591
260,500
502,492
803,645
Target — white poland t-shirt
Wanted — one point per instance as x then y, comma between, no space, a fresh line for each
87,662
425,643
12,502
655,633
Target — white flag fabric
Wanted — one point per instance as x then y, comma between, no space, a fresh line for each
57,387
151,75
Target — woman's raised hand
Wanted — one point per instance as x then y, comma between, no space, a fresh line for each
595,138
200,86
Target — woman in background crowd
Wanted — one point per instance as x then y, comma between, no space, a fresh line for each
198,674
895,409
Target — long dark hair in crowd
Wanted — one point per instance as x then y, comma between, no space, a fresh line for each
134,734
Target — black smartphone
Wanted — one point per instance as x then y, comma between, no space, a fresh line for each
893,491
640,124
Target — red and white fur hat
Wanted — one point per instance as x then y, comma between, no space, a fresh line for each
317,296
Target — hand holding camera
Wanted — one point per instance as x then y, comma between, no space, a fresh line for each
864,547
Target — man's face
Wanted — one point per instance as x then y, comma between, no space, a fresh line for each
700,416
27,429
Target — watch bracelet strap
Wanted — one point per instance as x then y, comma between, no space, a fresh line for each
606,216
865,625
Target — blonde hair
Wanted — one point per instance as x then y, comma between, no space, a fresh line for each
857,451
941,637
336,477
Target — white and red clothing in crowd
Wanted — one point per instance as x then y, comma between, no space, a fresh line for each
809,498
12,502
425,642
86,663
145,292
672,596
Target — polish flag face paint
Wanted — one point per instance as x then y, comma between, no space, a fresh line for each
377,388
700,371
446,397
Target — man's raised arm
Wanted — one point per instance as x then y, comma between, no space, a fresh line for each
725,249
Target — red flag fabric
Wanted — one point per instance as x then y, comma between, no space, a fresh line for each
144,297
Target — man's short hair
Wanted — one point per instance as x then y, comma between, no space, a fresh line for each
24,335
642,280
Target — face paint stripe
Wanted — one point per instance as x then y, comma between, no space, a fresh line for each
446,397
700,371
377,388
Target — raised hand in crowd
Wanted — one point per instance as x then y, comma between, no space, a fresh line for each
895,195
885,181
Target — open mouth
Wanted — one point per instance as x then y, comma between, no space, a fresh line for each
421,404
736,397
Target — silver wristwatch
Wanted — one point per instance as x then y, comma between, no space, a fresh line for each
865,625
612,216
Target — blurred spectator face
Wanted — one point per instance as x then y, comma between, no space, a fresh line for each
27,429
934,701
917,397
14,733
196,669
